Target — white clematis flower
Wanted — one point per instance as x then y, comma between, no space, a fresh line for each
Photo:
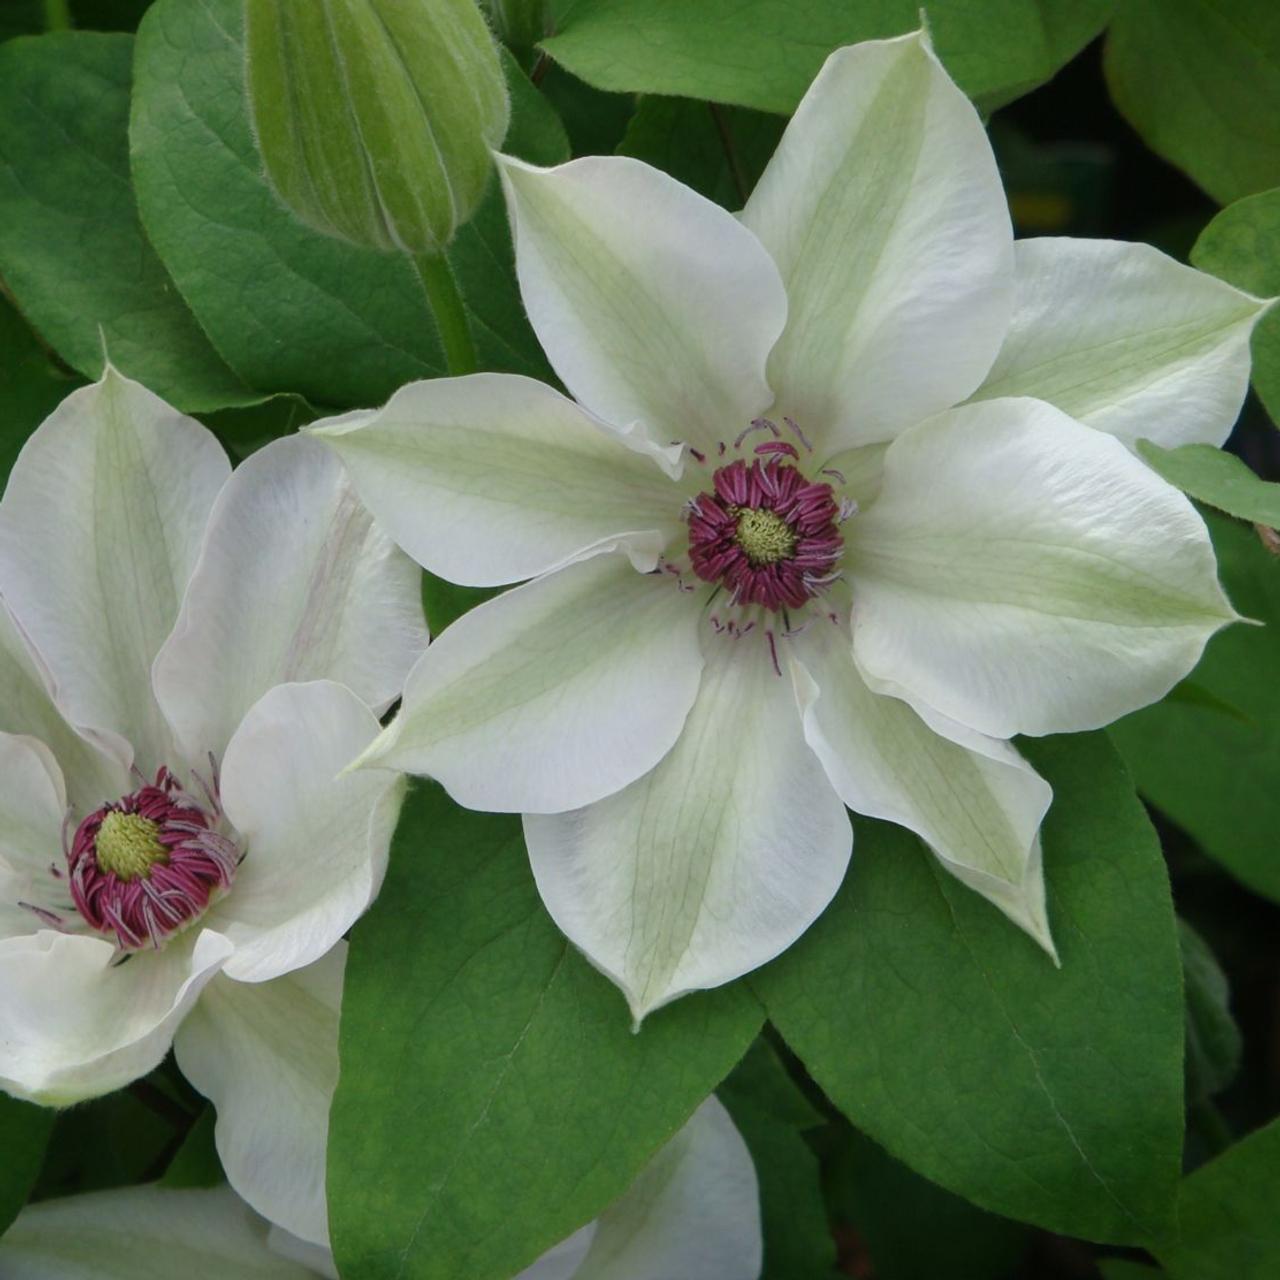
188,659
693,1212
843,505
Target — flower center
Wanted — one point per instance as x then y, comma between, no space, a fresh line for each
148,865
766,532
765,536
128,845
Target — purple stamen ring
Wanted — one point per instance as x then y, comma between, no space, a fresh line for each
148,865
766,532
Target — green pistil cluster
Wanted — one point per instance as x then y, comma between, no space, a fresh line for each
765,536
128,845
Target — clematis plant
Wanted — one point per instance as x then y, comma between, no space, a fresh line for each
693,1211
845,501
188,658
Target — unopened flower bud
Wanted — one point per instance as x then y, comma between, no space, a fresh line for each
375,118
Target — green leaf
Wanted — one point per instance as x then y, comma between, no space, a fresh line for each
289,308
493,1098
1214,1046
1242,246
1200,81
1214,773
885,1203
1053,1096
1123,1269
718,151
766,57
72,250
30,386
1220,479
1230,1229
770,1112
24,1134
196,1163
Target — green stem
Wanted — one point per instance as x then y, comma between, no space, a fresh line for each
446,304
57,15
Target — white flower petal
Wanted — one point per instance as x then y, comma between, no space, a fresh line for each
554,694
294,582
972,799
694,1211
1127,340
883,209
314,1256
651,302
316,841
716,860
1021,573
74,1025
33,803
143,1233
495,478
266,1055
99,530
562,1261
92,774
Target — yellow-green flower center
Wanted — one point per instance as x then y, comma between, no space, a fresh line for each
128,845
765,536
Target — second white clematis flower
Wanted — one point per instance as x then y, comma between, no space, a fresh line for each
693,1213
188,659
844,504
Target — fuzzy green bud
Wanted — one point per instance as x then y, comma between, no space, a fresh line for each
375,118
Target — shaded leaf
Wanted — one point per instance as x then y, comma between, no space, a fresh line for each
24,1134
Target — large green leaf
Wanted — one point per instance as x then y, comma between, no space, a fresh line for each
771,1114
1220,479
493,1097
1211,760
1049,1095
765,55
72,250
1230,1227
1200,81
30,386
1242,246
24,1134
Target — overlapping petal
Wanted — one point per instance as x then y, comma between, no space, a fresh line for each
972,799
316,842
716,860
495,478
100,526
144,1233
294,583
27,708
33,804
554,694
1124,338
75,1024
884,212
652,303
266,1055
1021,573
694,1211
